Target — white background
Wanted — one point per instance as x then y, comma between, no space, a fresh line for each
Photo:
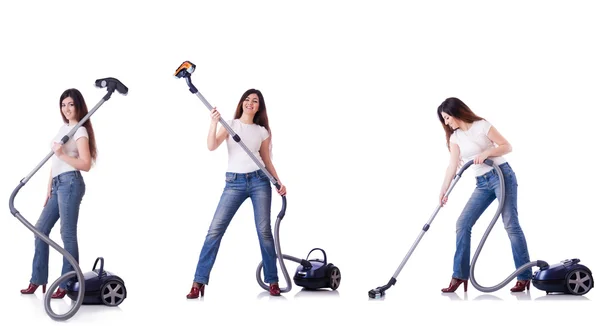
352,89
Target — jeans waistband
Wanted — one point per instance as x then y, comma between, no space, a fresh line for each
488,174
492,172
255,174
65,175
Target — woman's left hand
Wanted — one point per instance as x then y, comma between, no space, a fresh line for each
57,148
481,157
282,190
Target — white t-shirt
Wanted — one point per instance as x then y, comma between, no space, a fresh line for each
69,148
474,141
252,135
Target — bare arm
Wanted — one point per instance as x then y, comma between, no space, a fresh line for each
450,171
84,161
266,157
502,149
215,139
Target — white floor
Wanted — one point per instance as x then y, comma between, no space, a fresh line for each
158,298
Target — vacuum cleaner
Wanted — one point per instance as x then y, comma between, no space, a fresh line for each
568,276
312,274
101,287
78,294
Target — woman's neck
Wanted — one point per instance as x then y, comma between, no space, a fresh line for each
464,126
246,119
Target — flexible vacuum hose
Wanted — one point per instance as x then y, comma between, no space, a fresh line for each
519,270
280,258
62,251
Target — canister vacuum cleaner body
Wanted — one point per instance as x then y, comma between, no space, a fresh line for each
567,276
313,274
101,287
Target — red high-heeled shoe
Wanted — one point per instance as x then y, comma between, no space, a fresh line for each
274,289
59,294
196,292
520,286
32,287
454,284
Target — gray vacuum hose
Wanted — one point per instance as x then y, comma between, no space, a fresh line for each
62,251
519,270
280,258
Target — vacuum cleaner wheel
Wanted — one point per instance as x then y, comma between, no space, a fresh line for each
113,293
579,281
334,277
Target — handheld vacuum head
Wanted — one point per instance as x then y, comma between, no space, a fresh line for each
379,292
185,69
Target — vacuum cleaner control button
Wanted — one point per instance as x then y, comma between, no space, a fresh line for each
568,262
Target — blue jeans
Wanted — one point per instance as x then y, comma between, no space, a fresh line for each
488,189
67,192
238,187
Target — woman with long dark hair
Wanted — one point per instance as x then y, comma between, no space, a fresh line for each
470,137
66,189
243,180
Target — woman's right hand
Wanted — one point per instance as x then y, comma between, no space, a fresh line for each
443,198
215,115
47,198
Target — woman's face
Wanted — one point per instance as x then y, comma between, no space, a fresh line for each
449,120
67,106
250,104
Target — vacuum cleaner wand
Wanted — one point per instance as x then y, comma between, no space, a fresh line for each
185,71
111,84
380,291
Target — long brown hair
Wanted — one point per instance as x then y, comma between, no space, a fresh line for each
81,111
457,109
260,118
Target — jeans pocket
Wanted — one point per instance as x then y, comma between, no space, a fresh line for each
229,177
262,175
511,178
508,173
480,183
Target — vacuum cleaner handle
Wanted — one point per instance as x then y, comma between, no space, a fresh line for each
455,180
487,161
101,270
323,251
